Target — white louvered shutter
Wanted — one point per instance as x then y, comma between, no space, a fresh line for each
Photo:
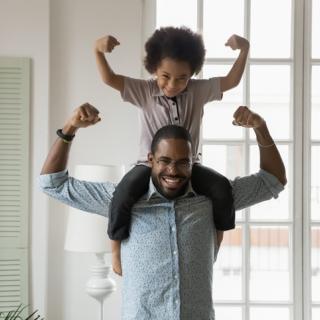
14,181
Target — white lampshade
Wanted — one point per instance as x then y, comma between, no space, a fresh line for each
87,232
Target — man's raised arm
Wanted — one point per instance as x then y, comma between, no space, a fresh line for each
270,159
82,117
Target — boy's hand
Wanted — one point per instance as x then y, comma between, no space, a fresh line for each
106,44
82,117
236,42
244,117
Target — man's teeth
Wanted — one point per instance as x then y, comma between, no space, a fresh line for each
172,180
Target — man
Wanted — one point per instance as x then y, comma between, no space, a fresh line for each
167,260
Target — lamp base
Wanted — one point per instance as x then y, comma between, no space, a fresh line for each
100,285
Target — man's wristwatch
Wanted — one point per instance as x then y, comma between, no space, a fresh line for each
65,137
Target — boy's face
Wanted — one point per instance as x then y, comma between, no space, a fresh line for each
173,76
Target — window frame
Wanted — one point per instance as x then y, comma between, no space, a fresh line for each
299,143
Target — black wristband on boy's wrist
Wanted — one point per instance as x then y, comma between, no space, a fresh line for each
65,137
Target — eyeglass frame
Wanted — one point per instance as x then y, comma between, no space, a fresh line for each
182,164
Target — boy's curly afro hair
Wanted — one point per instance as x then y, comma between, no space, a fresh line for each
180,44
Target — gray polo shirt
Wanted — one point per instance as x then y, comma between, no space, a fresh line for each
157,111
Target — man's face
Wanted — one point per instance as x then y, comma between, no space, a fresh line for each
171,167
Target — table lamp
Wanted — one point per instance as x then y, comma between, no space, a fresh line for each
88,232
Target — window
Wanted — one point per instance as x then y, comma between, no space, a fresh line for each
275,248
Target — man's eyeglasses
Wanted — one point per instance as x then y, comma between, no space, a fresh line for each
182,164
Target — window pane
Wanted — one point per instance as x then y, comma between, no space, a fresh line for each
177,13
315,264
227,271
315,313
275,209
270,29
227,313
226,159
315,100
218,116
315,183
270,97
316,29
269,313
269,264
219,23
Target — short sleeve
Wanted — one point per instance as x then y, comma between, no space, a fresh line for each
137,91
208,89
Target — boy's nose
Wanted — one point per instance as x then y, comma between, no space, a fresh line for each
172,84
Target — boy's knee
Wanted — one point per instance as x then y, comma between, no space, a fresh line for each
221,191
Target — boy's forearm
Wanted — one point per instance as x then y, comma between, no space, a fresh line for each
103,66
108,76
235,74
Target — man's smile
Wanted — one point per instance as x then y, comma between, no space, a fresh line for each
172,182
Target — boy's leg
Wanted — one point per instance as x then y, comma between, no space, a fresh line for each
215,186
116,256
132,186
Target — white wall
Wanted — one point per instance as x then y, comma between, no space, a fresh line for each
58,35
24,29
74,80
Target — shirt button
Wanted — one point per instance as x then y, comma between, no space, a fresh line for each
176,301
176,277
174,252
173,229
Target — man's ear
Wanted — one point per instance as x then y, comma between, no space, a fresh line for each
150,158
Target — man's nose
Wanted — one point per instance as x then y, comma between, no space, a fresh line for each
172,167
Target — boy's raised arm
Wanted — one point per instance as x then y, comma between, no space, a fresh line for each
234,76
104,45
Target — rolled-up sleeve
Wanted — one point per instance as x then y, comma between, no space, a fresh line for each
254,189
87,196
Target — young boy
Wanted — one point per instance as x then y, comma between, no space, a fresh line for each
173,56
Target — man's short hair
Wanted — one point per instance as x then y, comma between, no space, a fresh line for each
169,132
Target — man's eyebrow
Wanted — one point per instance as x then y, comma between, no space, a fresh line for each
167,158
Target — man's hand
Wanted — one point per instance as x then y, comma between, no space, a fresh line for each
106,44
236,42
244,117
84,116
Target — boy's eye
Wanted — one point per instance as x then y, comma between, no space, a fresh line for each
165,76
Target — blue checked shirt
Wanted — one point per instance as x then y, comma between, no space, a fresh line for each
167,260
